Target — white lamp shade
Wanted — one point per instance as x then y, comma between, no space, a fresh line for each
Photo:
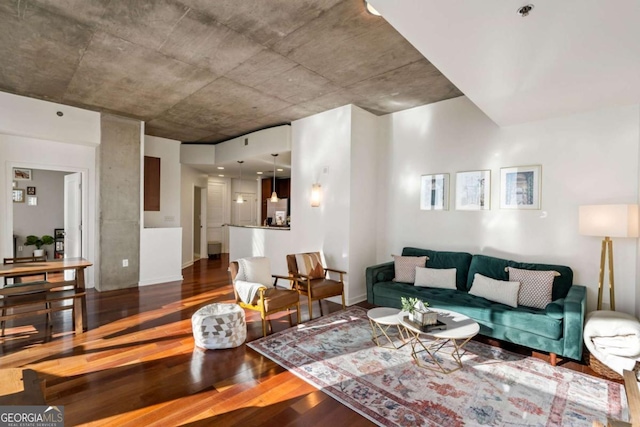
609,220
274,197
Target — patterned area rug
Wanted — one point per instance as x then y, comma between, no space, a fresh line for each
335,353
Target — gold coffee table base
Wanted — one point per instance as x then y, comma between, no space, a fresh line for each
459,331
375,335
433,348
381,319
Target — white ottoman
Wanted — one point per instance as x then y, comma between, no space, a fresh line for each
218,326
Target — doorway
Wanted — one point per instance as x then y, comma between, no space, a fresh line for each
49,203
199,221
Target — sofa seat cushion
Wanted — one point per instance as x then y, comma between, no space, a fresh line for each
483,311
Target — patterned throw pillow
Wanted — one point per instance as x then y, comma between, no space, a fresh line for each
310,264
495,290
405,267
444,278
535,286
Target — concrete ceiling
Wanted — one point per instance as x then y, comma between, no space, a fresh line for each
565,57
207,71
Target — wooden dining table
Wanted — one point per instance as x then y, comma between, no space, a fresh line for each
41,267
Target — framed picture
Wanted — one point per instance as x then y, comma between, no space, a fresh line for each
31,191
14,184
434,192
520,187
20,174
18,195
473,190
59,233
32,200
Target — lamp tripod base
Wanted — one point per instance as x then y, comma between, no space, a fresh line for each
607,248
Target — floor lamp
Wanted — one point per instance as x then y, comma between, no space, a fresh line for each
608,221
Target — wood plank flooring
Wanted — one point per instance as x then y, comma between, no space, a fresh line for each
137,365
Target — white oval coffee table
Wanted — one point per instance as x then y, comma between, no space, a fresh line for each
381,319
460,329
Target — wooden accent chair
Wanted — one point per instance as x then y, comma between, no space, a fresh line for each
312,278
267,300
18,282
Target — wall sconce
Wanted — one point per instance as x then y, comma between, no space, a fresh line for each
316,195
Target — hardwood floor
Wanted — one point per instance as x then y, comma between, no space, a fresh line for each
137,365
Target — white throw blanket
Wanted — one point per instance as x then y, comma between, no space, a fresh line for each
613,338
247,291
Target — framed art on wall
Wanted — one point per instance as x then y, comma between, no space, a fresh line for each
31,191
473,190
18,195
434,192
520,187
21,174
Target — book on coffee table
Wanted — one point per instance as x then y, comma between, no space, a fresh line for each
438,326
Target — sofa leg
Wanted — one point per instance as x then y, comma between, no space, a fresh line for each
553,359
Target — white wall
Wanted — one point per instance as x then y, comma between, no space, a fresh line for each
22,116
33,153
189,179
365,145
590,158
160,255
168,151
322,141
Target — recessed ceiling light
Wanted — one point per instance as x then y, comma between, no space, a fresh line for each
221,176
524,10
220,167
280,170
259,173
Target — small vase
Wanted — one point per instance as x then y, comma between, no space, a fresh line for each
38,252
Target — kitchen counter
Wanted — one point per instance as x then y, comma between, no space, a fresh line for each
268,227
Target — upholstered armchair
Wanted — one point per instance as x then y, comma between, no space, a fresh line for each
312,278
253,290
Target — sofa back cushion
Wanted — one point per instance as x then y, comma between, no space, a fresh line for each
496,269
458,260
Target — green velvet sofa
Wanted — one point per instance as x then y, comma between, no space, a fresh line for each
557,329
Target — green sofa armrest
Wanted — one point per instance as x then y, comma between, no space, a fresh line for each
378,273
575,305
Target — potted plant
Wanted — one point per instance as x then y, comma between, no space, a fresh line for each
38,242
418,311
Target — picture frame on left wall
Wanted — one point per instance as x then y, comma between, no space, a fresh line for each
18,195
434,192
21,174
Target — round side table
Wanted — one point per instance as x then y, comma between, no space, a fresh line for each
381,319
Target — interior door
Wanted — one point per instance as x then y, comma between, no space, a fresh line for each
217,206
72,219
197,223
245,213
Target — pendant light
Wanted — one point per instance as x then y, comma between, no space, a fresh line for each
274,195
240,199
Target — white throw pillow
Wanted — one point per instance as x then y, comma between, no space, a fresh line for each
255,269
444,278
405,267
536,286
495,290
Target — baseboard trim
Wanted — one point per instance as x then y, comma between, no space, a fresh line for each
159,280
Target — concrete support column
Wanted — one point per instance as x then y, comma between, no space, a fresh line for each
119,220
